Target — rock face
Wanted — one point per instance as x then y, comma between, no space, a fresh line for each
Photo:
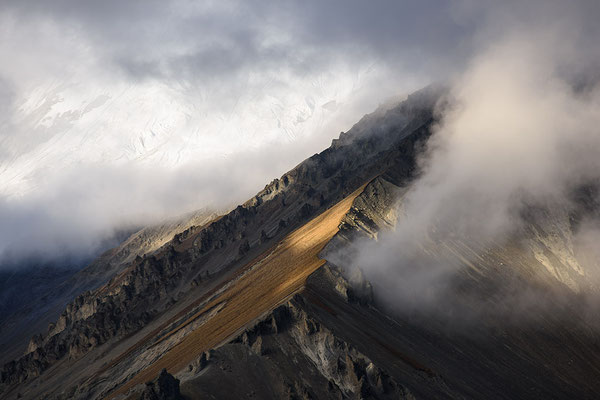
165,387
259,363
325,344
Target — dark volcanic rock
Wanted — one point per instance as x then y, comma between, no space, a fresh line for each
165,387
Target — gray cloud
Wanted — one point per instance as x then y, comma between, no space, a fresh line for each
519,131
168,39
76,211
225,96
118,113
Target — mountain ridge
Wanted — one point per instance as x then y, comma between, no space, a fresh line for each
175,308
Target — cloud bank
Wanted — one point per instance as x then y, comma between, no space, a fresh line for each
115,115
521,129
118,114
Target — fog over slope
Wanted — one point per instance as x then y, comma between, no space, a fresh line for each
518,135
118,115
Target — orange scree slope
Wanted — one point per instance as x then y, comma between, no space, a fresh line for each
268,283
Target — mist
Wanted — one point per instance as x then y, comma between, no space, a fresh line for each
518,131
115,116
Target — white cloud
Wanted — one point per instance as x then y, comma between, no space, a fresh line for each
116,93
122,116
518,130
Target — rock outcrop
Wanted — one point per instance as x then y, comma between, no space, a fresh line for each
145,287
324,366
165,387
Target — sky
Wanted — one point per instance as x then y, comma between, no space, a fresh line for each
120,114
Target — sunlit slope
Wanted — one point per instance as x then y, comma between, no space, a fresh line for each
266,284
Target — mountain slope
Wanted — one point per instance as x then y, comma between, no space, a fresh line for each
200,258
247,300
59,283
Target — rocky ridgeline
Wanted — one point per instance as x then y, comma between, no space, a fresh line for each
151,283
330,367
316,345
164,387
